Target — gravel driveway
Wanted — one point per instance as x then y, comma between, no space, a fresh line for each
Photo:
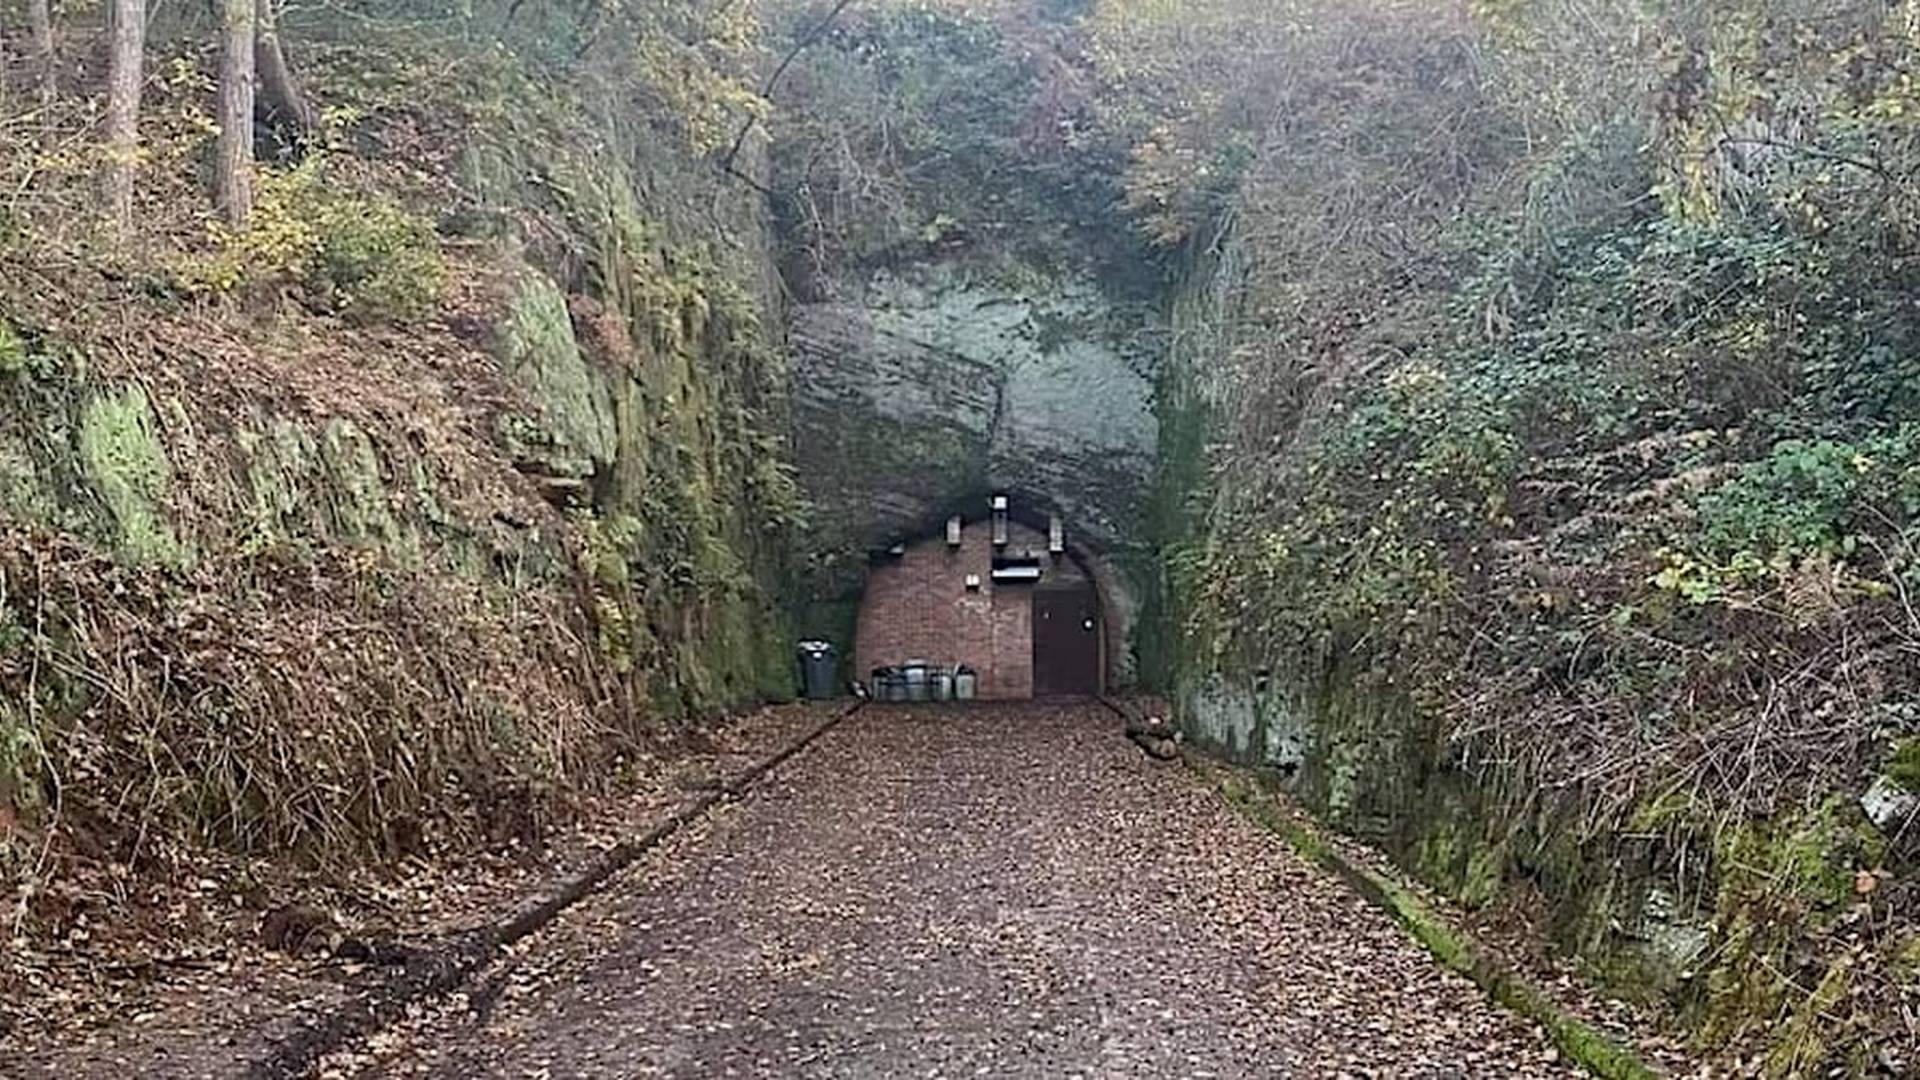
970,891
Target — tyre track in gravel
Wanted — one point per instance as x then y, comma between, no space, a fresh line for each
987,890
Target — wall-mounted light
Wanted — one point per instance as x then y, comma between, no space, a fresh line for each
953,531
1056,535
973,582
999,521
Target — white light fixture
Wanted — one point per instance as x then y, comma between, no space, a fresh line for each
999,521
973,582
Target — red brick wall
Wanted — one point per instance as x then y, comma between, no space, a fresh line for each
917,607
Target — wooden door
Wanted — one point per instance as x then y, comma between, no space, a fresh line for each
1066,642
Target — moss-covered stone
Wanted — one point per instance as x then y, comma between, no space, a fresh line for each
1810,858
281,462
362,502
1581,1042
405,528
127,467
538,347
1904,964
1451,851
1776,884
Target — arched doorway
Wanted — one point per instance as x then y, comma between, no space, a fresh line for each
1003,596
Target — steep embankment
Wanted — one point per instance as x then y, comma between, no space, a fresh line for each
1555,530
444,492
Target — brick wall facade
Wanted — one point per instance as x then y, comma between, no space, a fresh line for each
917,607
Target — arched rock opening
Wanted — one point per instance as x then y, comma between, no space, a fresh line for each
1029,620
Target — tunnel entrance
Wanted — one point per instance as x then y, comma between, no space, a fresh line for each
1001,597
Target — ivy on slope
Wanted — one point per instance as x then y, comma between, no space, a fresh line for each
1622,497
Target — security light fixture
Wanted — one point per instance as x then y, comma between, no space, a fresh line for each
1021,569
973,582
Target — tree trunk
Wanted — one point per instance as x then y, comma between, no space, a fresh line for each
283,103
125,75
40,25
233,177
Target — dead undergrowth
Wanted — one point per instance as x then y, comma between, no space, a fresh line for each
288,636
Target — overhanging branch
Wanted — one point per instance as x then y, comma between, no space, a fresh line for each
807,40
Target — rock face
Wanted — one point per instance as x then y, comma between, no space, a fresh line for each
497,545
920,393
1246,722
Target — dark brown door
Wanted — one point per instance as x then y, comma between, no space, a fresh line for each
1066,642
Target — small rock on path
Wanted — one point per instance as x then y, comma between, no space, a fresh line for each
987,890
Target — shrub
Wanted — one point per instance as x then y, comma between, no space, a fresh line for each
359,255
1824,497
374,259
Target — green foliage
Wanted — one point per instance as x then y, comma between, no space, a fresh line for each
688,66
120,450
373,259
1609,459
697,60
1817,498
1903,767
361,255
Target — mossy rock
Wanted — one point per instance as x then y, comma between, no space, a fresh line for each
358,492
126,464
1810,858
1904,963
282,461
1803,1047
537,346
1452,852
1777,883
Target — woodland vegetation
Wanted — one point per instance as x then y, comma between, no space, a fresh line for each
387,464
1556,364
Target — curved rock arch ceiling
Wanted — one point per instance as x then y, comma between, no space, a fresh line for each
933,387
920,392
